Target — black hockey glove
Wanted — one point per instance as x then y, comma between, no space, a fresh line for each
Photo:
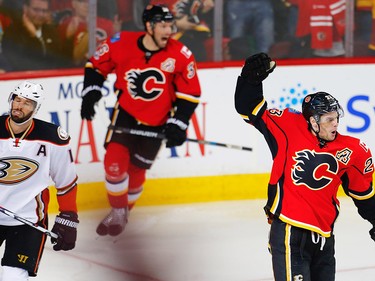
88,102
175,132
257,68
66,228
372,231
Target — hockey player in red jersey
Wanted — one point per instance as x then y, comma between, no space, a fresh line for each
32,152
157,90
310,161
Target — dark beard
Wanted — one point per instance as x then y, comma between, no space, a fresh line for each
20,120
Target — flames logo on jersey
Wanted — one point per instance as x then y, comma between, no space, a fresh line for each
314,170
18,169
143,84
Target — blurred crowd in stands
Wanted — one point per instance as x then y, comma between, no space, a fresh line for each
53,34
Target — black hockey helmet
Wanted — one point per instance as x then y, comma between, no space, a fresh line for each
156,13
318,104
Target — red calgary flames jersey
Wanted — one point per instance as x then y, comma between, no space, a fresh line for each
149,83
305,177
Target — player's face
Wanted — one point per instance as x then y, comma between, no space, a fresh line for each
162,33
328,126
21,109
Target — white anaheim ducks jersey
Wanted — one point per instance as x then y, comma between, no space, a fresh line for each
28,163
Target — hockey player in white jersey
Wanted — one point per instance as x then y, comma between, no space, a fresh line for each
32,152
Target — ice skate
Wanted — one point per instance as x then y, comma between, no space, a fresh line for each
114,223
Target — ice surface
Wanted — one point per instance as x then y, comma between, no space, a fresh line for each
219,241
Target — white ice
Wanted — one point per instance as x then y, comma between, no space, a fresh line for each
219,241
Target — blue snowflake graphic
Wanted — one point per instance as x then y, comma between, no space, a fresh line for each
291,97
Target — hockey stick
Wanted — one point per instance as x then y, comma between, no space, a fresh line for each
27,222
157,135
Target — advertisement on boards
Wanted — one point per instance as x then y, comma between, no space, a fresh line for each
214,120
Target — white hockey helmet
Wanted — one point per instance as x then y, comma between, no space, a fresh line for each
28,90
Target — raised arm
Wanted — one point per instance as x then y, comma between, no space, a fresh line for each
248,96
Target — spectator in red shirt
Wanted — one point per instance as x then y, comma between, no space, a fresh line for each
74,32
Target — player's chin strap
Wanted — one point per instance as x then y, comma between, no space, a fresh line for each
148,53
153,35
321,141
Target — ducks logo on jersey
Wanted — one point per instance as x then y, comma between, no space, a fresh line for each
17,169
